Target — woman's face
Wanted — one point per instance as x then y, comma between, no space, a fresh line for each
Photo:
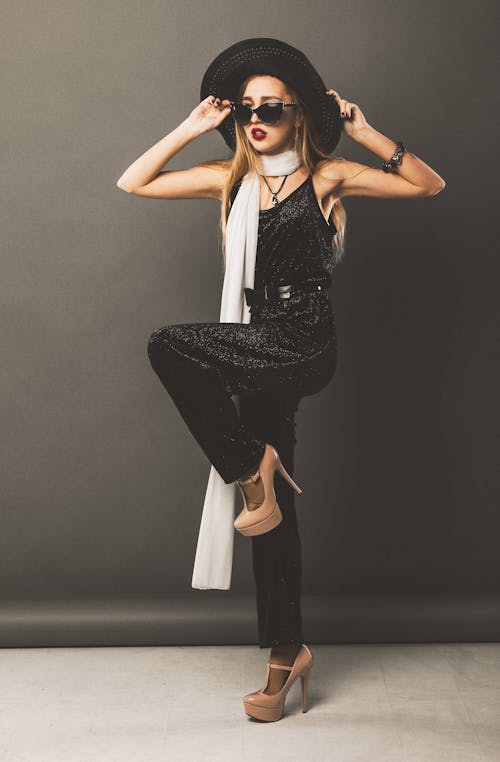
280,136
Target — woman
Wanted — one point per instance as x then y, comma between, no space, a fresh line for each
282,225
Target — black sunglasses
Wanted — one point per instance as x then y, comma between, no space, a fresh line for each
269,113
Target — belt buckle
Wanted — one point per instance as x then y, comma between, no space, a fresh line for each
284,294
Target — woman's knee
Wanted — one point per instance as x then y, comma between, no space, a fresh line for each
168,355
159,343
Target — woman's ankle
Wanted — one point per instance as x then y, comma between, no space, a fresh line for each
254,468
248,473
284,652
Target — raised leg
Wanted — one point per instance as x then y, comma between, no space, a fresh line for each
191,370
203,364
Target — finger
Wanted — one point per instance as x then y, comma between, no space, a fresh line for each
335,95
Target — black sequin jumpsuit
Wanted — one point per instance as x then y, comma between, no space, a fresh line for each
286,352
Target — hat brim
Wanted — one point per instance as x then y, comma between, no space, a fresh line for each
265,55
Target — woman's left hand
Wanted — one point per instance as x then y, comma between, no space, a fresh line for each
353,119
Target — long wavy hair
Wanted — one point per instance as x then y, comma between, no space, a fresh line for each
311,151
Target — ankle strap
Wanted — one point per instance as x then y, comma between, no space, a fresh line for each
279,666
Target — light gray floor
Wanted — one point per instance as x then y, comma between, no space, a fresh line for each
393,703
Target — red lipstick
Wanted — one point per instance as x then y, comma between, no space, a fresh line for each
258,134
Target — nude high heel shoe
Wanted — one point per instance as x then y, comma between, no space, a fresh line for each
261,511
270,706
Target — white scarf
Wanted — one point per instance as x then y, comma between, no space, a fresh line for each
214,552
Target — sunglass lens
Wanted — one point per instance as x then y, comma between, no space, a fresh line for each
270,112
242,113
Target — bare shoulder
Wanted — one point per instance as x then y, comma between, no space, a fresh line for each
220,165
219,169
329,175
336,175
337,168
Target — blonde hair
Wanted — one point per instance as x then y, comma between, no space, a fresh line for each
311,151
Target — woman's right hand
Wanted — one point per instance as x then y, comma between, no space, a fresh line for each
208,114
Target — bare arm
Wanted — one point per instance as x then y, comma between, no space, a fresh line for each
144,178
413,178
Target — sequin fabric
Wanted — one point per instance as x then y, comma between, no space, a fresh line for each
294,245
294,240
286,352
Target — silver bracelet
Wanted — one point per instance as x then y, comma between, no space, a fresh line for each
396,158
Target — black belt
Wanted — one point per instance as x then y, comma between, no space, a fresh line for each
269,292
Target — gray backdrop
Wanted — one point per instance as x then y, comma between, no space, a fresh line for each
102,484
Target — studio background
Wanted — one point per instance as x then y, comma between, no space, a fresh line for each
103,484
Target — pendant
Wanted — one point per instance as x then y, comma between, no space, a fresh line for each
275,200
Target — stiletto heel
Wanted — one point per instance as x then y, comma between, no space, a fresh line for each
261,511
284,473
305,682
270,706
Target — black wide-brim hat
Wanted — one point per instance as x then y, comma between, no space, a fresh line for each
265,55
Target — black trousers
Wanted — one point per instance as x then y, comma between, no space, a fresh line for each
202,365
